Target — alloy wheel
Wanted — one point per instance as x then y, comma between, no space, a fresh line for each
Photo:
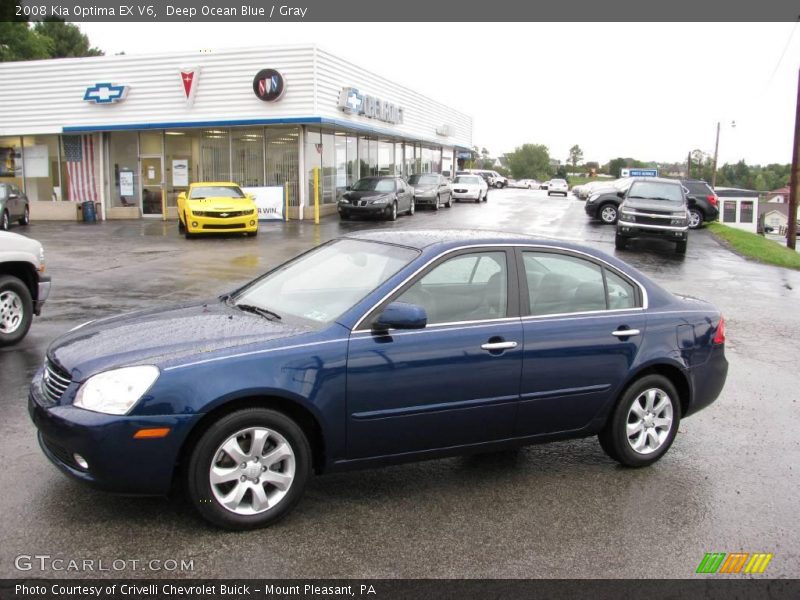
252,471
11,312
649,421
608,214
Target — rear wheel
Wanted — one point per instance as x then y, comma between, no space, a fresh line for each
695,218
249,469
620,243
436,203
16,310
680,247
5,223
608,214
25,219
644,423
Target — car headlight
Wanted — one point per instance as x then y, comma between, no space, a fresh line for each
679,219
626,216
41,259
381,200
593,198
344,200
115,392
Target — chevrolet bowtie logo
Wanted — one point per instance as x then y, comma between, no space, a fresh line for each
105,93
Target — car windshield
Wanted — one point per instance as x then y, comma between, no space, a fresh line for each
322,284
423,179
623,184
652,190
374,185
468,179
216,191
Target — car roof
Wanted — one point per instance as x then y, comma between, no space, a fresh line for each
381,177
214,183
658,180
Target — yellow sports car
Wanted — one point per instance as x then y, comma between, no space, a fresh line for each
216,207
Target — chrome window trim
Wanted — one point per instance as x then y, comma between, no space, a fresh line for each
645,300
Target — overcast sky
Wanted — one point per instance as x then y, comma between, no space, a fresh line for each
649,91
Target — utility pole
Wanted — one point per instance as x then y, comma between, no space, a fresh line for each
716,150
689,166
791,233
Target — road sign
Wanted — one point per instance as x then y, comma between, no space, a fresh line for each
639,172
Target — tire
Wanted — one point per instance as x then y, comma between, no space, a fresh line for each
620,243
6,222
486,196
252,233
181,226
25,219
189,235
449,201
16,310
680,247
282,439
436,204
696,218
608,214
647,416
344,217
393,213
549,194
412,207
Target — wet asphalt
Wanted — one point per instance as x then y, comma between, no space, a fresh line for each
563,510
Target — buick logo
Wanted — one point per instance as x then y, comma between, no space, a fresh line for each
268,85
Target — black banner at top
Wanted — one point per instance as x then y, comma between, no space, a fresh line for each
403,11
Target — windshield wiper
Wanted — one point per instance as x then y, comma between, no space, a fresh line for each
267,314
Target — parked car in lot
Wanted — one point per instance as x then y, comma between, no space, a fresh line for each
558,186
544,185
24,287
431,189
470,187
703,202
603,203
379,347
383,197
212,207
653,208
530,184
14,206
589,188
493,178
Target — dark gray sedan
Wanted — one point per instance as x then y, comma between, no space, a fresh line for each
431,189
383,197
13,206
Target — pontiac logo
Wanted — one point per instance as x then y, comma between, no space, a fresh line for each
189,77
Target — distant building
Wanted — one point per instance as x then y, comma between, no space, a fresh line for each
779,196
738,208
774,215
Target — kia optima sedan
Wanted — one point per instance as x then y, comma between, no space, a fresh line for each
376,348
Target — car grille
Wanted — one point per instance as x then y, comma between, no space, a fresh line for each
362,203
225,226
460,191
225,214
55,382
652,218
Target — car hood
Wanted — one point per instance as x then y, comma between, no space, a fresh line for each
647,204
458,186
220,203
363,194
18,243
159,336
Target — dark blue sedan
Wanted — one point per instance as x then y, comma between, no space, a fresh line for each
376,348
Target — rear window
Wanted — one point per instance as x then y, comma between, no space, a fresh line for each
698,188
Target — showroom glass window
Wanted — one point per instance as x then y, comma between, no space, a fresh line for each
467,287
247,153
41,168
313,159
328,171
181,148
282,160
215,155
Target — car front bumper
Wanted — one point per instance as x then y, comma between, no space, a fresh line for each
374,210
42,294
117,462
670,232
245,223
467,195
425,199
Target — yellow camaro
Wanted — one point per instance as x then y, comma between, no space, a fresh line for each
216,207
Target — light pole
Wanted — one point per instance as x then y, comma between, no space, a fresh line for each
716,152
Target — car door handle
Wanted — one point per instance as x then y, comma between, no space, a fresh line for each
498,345
625,332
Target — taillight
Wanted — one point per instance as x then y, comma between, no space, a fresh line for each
719,337
712,199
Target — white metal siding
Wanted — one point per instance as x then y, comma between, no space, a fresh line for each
40,97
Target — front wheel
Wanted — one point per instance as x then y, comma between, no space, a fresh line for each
695,218
549,194
620,243
249,469
644,423
412,208
436,203
5,223
25,219
16,310
449,201
393,212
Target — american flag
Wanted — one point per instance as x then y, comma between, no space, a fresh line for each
80,157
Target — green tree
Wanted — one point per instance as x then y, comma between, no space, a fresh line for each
530,161
68,41
17,40
575,156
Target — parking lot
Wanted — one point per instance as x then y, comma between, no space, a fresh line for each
562,510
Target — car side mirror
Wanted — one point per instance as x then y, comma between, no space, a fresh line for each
401,315
621,194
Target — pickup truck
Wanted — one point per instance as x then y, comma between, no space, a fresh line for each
23,285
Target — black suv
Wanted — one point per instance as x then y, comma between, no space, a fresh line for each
703,202
656,208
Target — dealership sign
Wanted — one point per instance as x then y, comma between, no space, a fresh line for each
105,93
268,85
353,102
189,80
638,173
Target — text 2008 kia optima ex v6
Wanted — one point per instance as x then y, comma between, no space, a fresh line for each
374,348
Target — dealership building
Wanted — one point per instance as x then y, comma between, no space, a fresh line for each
132,132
